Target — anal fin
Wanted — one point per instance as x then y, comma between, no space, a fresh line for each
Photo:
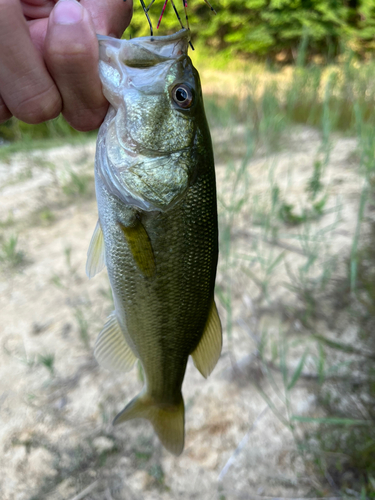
96,253
207,353
111,348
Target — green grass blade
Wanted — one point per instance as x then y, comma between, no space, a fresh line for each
332,421
298,371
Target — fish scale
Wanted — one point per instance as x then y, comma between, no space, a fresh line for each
157,230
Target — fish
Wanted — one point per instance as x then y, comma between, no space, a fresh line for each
157,231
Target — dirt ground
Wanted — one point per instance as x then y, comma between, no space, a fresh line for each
57,404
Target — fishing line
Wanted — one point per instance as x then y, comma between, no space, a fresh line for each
145,10
148,8
162,14
184,2
210,6
177,14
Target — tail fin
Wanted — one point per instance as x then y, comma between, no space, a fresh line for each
168,422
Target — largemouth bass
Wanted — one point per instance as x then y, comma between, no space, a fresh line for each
157,230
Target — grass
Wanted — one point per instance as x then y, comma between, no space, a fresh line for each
21,136
83,327
48,361
10,255
339,442
79,186
46,216
21,146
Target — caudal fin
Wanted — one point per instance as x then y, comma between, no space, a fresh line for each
168,422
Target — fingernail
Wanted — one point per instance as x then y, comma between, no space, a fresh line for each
67,12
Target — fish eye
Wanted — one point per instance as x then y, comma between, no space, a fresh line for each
182,96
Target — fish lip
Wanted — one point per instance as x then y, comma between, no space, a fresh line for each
179,35
152,49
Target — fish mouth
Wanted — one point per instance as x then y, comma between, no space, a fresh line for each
181,34
184,33
147,50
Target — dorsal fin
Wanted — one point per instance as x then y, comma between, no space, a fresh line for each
95,253
207,353
111,349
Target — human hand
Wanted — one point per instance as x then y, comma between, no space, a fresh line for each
49,58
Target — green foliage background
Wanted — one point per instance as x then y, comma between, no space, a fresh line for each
268,27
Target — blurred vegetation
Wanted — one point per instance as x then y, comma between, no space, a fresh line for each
331,98
271,28
33,136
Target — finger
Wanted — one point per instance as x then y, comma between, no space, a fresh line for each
72,56
5,114
36,9
110,17
37,31
25,85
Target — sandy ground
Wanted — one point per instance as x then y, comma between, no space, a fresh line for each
56,437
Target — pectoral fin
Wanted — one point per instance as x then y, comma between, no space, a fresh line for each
111,349
207,353
141,248
96,253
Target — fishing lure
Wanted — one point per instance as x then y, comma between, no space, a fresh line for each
185,6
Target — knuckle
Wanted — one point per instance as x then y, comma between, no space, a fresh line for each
87,119
38,108
67,54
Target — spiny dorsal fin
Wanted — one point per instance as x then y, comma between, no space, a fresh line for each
111,349
95,253
141,248
207,353
167,421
